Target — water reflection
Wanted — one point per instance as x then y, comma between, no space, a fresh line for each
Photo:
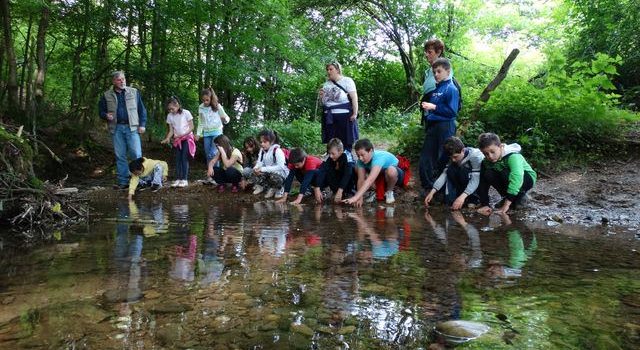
183,254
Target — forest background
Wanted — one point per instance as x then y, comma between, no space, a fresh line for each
570,94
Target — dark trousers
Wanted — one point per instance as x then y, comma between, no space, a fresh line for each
457,181
332,178
500,181
182,160
230,175
432,157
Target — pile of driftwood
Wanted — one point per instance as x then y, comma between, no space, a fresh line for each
32,210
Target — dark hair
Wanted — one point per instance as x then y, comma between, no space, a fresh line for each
136,165
453,145
436,44
441,62
297,155
173,100
487,139
224,142
250,140
269,135
363,144
335,143
212,94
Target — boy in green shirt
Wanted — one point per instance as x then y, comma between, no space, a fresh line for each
506,170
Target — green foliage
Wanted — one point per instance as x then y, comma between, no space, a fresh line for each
572,111
410,140
300,133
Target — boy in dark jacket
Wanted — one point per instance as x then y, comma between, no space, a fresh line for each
337,172
506,170
442,111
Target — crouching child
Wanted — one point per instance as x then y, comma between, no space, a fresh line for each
460,177
371,164
270,170
147,173
506,170
336,172
305,168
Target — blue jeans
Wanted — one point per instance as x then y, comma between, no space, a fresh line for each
432,157
210,149
182,160
125,143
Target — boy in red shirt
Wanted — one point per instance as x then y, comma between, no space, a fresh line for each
305,168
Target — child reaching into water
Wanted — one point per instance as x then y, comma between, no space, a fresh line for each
230,170
506,170
270,169
147,173
336,172
372,163
180,123
211,118
249,158
305,168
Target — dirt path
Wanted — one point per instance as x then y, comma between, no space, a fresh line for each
603,194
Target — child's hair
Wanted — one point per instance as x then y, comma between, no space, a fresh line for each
441,62
224,142
250,140
136,165
363,144
335,65
212,94
436,44
453,145
269,135
173,100
335,143
487,139
297,155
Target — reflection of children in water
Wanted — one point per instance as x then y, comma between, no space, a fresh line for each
212,263
518,256
127,253
184,255
383,245
272,233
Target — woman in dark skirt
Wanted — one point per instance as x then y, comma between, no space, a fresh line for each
339,107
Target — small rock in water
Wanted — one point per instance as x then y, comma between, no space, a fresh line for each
407,311
302,329
8,300
460,331
552,223
604,220
170,307
557,218
347,330
152,294
486,229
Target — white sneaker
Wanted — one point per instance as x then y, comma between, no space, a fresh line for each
183,183
257,189
279,193
176,183
370,197
210,181
270,192
389,197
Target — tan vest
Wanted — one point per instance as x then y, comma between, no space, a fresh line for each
131,101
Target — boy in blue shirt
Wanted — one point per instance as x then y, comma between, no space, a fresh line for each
374,162
442,111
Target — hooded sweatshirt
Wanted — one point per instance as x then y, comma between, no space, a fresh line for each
473,161
269,163
517,165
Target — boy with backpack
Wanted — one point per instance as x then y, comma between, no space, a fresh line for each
441,113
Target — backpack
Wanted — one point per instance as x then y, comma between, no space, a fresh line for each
286,152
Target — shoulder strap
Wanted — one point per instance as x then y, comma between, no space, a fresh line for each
342,88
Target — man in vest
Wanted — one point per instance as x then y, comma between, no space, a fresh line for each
126,117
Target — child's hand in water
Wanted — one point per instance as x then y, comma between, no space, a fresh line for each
357,202
486,210
210,171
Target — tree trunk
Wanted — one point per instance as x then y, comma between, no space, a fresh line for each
209,49
486,93
127,54
27,41
42,68
12,73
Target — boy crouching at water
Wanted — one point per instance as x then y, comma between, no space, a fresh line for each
305,168
372,163
506,170
461,175
147,173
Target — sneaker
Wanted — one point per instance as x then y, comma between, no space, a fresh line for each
370,197
120,187
389,197
210,181
270,193
220,188
257,189
280,193
183,183
155,188
234,189
176,183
